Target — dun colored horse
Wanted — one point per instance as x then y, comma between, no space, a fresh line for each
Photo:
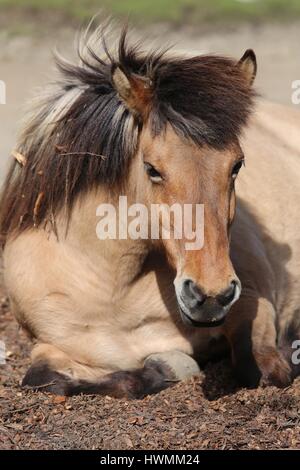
109,316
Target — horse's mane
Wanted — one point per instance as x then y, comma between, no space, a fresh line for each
80,134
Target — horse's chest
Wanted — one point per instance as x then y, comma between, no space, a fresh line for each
150,326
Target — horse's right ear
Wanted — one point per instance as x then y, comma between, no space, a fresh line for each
134,90
248,65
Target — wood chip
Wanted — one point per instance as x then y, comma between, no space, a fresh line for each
61,148
19,157
59,399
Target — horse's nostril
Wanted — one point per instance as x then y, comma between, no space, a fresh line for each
228,295
193,293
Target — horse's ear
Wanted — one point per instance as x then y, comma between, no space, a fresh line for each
134,90
248,65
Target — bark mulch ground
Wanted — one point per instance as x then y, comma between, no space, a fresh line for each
203,413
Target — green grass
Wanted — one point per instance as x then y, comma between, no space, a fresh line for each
174,11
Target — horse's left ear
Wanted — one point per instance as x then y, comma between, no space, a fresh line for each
135,92
248,66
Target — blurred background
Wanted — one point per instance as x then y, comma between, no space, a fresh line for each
30,29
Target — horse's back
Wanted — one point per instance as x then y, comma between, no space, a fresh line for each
270,182
269,189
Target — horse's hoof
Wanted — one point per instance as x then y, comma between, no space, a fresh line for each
264,368
181,365
275,371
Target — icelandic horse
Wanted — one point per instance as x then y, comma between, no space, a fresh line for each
127,317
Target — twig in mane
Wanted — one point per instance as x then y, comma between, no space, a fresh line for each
19,157
37,207
91,154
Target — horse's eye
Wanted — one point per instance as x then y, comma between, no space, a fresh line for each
237,168
153,174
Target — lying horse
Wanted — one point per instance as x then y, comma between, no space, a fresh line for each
109,315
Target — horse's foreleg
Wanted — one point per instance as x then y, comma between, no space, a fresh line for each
251,332
137,383
53,371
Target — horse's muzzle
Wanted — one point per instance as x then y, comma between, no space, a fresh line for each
200,310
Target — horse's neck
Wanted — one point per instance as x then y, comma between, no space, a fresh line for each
122,259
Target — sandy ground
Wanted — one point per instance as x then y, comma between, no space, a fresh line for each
207,412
